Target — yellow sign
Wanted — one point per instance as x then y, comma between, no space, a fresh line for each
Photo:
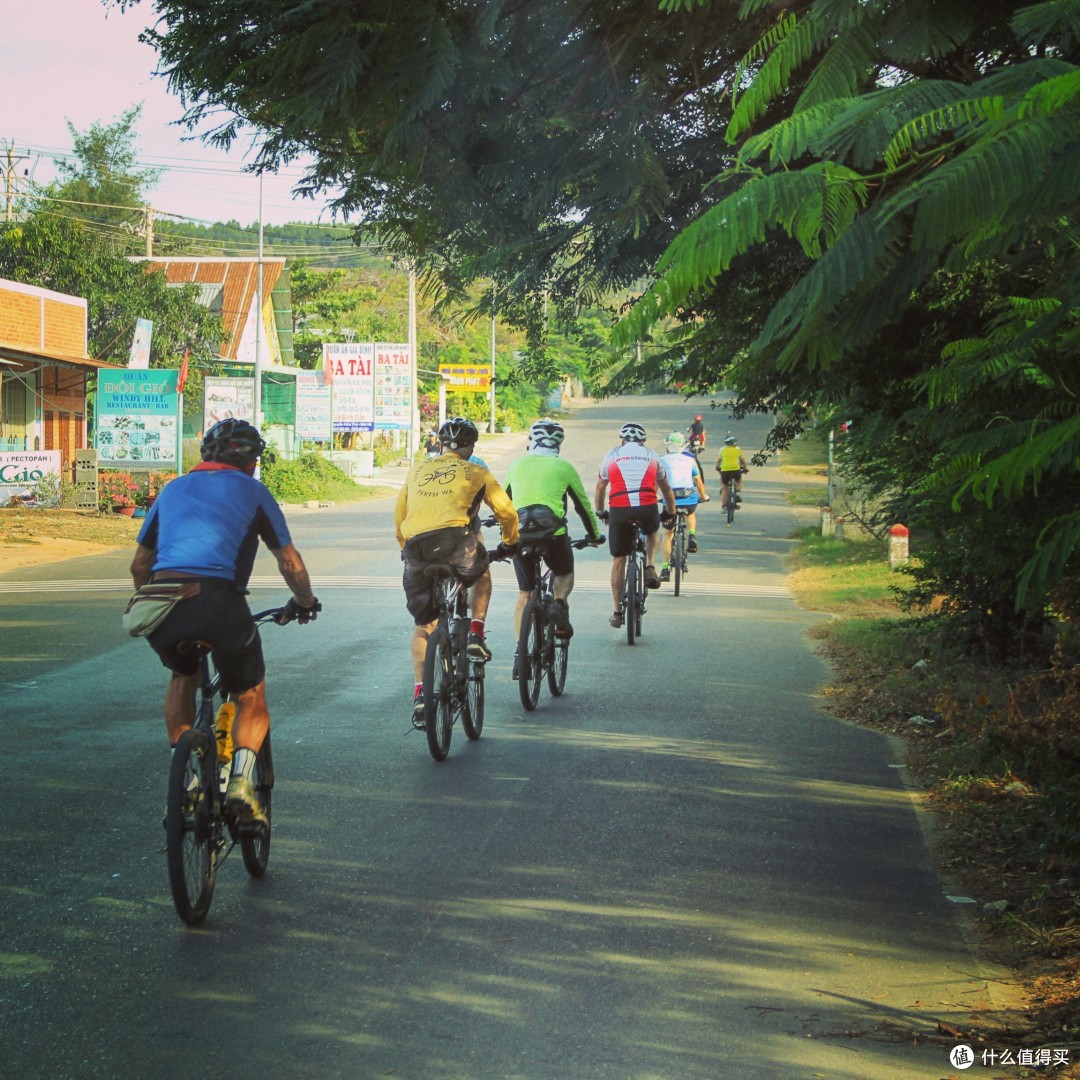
466,378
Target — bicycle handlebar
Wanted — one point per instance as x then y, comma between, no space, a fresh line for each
282,616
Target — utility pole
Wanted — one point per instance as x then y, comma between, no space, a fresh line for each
9,180
148,229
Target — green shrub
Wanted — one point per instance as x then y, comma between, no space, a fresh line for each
310,476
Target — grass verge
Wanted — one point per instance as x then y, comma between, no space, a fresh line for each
994,751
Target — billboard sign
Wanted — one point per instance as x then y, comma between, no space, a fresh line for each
138,416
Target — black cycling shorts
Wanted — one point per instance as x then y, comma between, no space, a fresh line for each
621,535
469,560
220,616
556,552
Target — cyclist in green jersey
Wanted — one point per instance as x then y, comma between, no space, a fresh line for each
540,484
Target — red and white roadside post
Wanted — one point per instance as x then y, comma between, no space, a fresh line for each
898,546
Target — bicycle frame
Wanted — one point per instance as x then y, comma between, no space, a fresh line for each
679,562
199,835
453,686
634,589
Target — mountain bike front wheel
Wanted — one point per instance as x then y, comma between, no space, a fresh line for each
189,826
472,716
678,557
438,694
556,675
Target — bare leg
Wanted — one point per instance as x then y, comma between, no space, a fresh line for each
652,546
419,648
252,718
480,597
618,576
519,610
563,585
180,705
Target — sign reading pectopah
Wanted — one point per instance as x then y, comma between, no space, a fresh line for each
21,470
138,420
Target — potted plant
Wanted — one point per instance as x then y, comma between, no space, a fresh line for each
117,492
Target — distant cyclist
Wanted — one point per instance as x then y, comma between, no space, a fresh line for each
731,465
684,475
204,529
540,484
696,433
436,519
637,479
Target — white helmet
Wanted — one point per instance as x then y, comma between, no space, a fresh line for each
675,442
632,432
547,434
729,440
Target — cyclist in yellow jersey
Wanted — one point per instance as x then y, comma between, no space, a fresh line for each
435,519
730,465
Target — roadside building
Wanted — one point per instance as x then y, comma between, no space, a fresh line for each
44,371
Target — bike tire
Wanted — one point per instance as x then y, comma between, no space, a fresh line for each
560,657
255,844
531,655
678,557
189,826
472,716
731,502
438,694
642,594
630,592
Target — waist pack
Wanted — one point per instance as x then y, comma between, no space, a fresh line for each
683,493
538,522
437,545
147,609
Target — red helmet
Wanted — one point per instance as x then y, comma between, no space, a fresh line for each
697,417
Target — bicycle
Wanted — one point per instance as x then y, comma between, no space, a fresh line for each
732,498
679,562
453,684
198,834
634,588
540,650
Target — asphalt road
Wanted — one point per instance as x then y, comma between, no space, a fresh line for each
683,868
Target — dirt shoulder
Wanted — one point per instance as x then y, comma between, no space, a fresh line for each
35,537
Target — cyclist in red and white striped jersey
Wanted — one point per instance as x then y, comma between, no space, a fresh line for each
631,479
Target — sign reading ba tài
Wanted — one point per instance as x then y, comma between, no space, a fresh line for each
347,367
138,420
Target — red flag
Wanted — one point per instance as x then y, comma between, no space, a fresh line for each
182,377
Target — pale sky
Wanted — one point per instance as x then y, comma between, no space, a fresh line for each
75,60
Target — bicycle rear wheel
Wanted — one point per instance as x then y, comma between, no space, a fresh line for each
255,844
531,655
472,716
642,595
189,826
560,655
678,557
438,694
630,592
731,489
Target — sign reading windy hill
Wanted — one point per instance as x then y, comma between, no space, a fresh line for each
137,420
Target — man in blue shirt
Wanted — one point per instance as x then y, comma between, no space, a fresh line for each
204,530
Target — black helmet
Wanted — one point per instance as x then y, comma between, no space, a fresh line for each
232,442
457,433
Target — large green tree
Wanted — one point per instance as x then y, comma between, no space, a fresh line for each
69,257
102,183
553,146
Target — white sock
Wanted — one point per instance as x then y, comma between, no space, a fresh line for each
243,763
